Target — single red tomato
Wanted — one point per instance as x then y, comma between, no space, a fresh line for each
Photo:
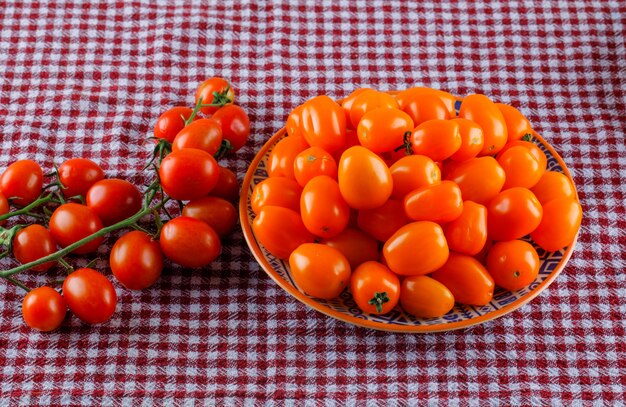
324,211
216,212
136,260
472,140
516,124
206,90
467,234
425,297
382,130
367,101
412,172
382,222
424,107
347,103
481,110
437,203
293,122
113,200
188,174
512,214
78,175
357,246
467,279
171,122
404,97
513,264
276,191
480,179
436,139
375,288
21,182
553,185
364,179
313,162
189,242
280,230
43,309
90,296
319,270
280,163
32,243
559,225
235,125
521,168
72,222
323,124
203,134
227,186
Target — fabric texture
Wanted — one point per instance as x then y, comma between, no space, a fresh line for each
88,79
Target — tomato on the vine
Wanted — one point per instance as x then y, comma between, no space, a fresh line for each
513,264
467,279
188,174
436,139
319,270
113,200
364,179
4,207
280,230
216,212
206,89
227,186
189,242
323,124
43,309
32,243
203,134
90,296
481,110
276,191
382,130
437,203
425,297
412,172
235,125
357,246
513,214
21,182
312,162
324,211
72,222
78,175
375,288
136,260
171,122
280,163
559,225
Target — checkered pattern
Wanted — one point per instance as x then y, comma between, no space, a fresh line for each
89,79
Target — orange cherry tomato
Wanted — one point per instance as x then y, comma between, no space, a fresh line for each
472,140
319,270
513,264
480,179
522,169
516,124
415,249
481,110
436,139
206,89
375,288
425,297
467,279
382,129
532,147
323,210
437,203
293,122
280,230
369,100
347,103
281,159
276,191
323,123
412,172
357,246
553,185
382,222
424,107
512,214
404,97
560,224
364,179
313,162
467,234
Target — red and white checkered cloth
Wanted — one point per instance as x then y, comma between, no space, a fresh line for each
90,78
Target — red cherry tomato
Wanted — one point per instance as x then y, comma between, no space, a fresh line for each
358,247
472,140
235,125
136,260
324,212
364,180
436,139
113,200
448,99
4,207
522,169
481,110
90,296
382,222
467,279
367,101
412,172
313,162
280,230
43,309
72,222
188,174
280,163
516,124
480,179
467,234
206,89
293,122
382,129
216,212
189,242
171,122
437,203
32,243
21,182
276,191
375,288
559,225
323,124
553,185
513,264
78,175
227,186
424,107
319,270
512,214
425,297
203,134
347,103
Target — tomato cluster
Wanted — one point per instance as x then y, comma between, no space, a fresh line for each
401,200
77,209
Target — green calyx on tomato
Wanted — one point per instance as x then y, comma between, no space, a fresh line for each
378,300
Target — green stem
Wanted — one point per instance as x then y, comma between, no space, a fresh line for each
195,111
27,208
17,283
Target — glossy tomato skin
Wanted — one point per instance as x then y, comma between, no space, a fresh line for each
90,296
206,89
424,107
375,288
171,122
312,162
347,103
280,230
276,191
425,297
78,175
481,110
319,270
136,260
324,211
404,97
203,134
382,130
235,125
513,214
367,101
559,225
216,212
113,200
32,243
415,249
436,139
437,203
553,185
382,222
532,147
480,179
516,124
323,124
280,163
467,234
357,246
188,174
293,122
44,309
412,172
522,169
467,279
472,140
72,222
189,242
21,182
227,186
513,264
364,179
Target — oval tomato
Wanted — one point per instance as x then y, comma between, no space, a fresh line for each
78,175
280,163
43,309
367,101
235,125
227,186
347,103
136,260
188,174
21,182
90,296
382,222
382,129
512,214
436,139
559,225
553,185
170,123
513,264
516,124
72,222
313,162
425,297
206,90
294,121
375,288
32,243
448,99
424,107
364,179
467,279
280,230
276,191
203,134
323,124
472,140
412,172
467,234
189,242
481,110
358,247
324,212
522,169
319,270
113,200
216,212
480,179
532,147
437,203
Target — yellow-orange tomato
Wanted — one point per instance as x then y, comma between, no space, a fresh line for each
369,100
425,297
404,97
382,129
553,185
513,264
375,288
532,147
319,270
276,191
467,279
323,123
516,124
415,249
481,110
472,140
347,103
513,214
313,162
280,230
364,179
467,234
436,139
293,122
424,107
412,172
438,203
522,169
480,179
280,161
323,210
382,222
357,246
559,225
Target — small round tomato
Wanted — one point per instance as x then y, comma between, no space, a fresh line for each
280,230
404,97
136,260
467,279
72,222
367,101
364,179
323,124
235,125
313,162
4,207
553,185
113,200
319,270
90,296
472,140
280,163
21,182
206,90
382,222
481,110
216,212
513,264
412,172
32,243
436,139
424,107
512,214
276,191
467,234
560,224
480,179
323,210
43,309
522,169
382,129
532,147
189,242
293,122
438,203
358,247
375,288
415,249
188,174
347,103
516,124
425,297
78,175
203,134
227,186
171,122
